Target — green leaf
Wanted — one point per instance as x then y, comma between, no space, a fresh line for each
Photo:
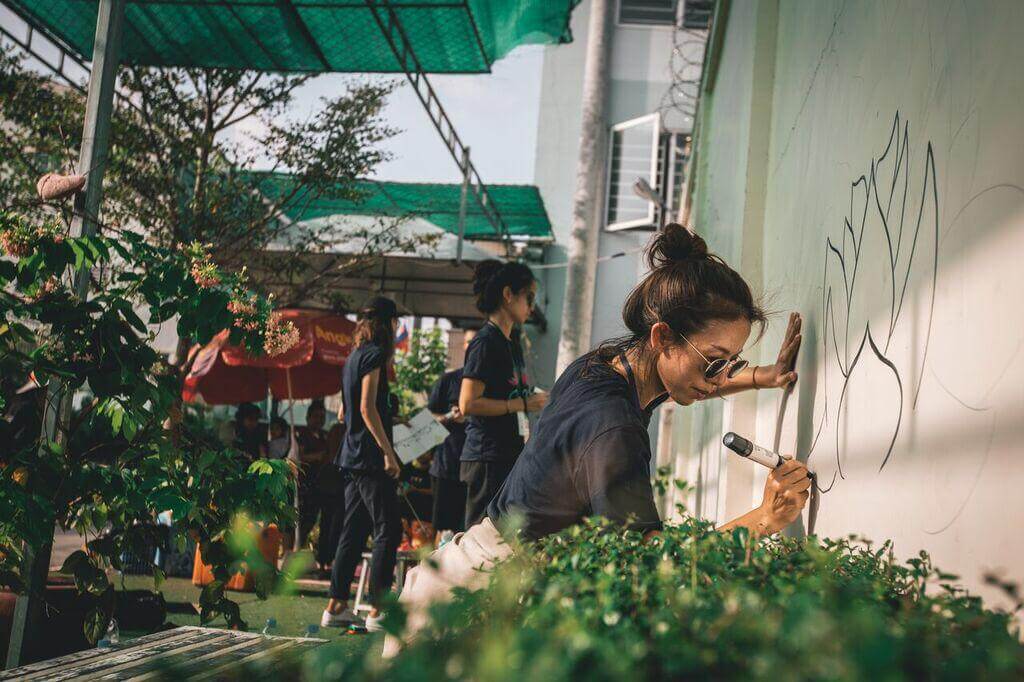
95,626
158,577
74,561
116,417
79,254
212,593
129,428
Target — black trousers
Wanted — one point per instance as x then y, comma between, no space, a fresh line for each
483,480
449,512
371,508
331,491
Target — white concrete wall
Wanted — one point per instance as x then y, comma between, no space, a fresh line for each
902,119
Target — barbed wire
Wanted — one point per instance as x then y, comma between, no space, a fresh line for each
684,67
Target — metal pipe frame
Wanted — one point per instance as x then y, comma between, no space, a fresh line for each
26,45
393,32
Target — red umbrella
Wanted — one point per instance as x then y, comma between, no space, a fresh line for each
223,374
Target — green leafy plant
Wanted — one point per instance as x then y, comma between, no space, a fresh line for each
178,167
418,369
115,465
599,603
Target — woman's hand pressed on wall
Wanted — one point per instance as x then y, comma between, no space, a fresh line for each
781,374
785,495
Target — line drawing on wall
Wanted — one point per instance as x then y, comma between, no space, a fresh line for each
883,200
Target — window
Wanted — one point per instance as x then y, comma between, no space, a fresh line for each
633,156
697,14
648,12
641,150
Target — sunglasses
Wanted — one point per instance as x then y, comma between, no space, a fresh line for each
718,365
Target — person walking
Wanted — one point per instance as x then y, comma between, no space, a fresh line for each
368,459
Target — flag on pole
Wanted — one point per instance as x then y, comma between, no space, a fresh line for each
402,338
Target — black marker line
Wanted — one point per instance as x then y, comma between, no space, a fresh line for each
897,152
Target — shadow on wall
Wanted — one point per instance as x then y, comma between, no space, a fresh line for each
887,247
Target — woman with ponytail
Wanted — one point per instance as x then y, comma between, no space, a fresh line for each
495,394
688,321
371,467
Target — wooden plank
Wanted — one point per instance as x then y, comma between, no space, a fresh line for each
221,658
118,663
188,651
117,657
150,674
34,671
212,673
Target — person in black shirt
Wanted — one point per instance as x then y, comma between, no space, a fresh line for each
368,459
688,322
250,435
495,394
449,512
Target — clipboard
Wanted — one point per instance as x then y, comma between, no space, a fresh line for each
422,434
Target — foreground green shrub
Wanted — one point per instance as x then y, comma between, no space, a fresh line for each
597,603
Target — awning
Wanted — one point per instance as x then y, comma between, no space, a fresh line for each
426,282
309,35
521,206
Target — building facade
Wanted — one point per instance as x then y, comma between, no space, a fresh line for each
863,164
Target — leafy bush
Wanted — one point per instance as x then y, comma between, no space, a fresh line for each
417,369
598,603
115,464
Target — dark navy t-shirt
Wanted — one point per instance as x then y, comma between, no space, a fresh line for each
443,397
359,449
496,361
589,455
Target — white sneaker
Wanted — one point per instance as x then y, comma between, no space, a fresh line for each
373,623
338,620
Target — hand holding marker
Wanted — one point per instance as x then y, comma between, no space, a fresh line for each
763,456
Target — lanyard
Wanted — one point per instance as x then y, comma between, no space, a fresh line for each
631,379
634,393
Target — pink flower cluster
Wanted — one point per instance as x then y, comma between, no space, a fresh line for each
245,312
279,337
16,244
205,274
18,241
46,288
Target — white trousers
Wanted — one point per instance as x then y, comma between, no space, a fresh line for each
464,562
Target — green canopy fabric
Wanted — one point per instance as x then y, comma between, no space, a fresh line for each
308,35
520,206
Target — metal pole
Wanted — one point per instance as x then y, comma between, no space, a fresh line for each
577,313
28,612
462,204
293,455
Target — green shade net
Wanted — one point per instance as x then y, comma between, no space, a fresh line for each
520,206
308,35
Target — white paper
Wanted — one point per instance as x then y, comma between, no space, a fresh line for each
422,434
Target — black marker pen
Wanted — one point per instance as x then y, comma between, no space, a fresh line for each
745,448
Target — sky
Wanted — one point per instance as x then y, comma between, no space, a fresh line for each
495,114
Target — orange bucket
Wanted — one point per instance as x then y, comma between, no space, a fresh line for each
269,544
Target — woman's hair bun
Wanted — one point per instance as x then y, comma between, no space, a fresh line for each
483,274
675,243
490,277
